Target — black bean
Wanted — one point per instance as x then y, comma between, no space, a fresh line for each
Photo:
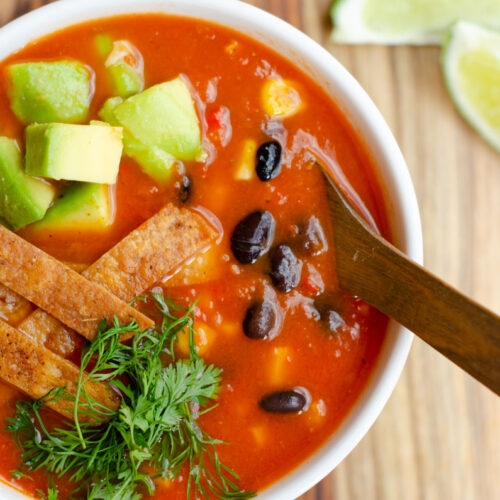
268,160
286,268
329,307
283,402
185,188
311,237
253,236
260,320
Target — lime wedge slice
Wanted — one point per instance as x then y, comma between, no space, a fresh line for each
471,67
418,22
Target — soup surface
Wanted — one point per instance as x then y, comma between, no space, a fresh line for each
324,343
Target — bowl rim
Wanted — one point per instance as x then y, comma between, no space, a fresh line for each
395,179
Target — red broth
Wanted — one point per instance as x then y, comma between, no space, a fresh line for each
228,69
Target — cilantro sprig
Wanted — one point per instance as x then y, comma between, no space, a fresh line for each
154,429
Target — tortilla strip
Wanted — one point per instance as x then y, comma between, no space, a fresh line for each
13,307
76,266
35,370
51,333
148,254
55,288
144,257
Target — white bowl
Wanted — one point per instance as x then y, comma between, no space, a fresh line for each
348,94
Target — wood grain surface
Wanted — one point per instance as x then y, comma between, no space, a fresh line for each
439,435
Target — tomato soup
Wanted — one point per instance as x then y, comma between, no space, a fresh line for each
275,320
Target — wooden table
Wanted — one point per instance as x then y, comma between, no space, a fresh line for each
439,435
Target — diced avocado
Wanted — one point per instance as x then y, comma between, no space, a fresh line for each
50,91
153,160
164,116
160,126
126,80
104,45
82,206
86,153
108,109
23,199
126,68
124,64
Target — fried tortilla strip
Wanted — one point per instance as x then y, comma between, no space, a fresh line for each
35,370
76,266
13,307
151,252
144,257
55,288
51,333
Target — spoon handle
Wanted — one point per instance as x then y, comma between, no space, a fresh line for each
370,267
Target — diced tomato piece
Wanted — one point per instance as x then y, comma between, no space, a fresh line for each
219,124
130,60
213,119
312,282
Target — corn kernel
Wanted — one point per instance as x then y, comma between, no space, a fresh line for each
280,98
245,170
278,367
316,413
204,268
231,47
260,435
204,337
231,328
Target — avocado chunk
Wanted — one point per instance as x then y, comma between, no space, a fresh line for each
153,161
107,113
164,116
23,199
124,64
81,206
45,92
160,126
86,153
104,45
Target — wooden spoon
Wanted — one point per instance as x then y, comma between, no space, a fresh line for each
374,270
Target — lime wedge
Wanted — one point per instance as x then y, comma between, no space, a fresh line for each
418,22
471,67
